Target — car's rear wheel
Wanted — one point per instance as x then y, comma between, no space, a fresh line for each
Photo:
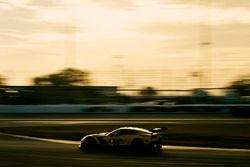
89,144
157,148
137,144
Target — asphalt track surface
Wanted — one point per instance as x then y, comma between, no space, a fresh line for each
17,151
23,151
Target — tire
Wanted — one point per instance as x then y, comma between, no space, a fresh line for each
89,144
137,144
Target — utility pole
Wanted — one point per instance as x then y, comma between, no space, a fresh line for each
118,69
205,48
69,46
69,40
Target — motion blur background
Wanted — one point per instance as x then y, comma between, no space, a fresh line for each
124,49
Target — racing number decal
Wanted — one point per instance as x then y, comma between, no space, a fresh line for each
115,141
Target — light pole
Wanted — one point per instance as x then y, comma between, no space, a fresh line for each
69,47
69,40
118,68
205,49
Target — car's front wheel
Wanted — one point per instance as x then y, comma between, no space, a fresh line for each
88,143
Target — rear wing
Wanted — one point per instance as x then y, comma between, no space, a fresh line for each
159,130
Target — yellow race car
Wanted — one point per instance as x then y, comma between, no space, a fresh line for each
132,137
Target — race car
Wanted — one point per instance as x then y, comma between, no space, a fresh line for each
132,137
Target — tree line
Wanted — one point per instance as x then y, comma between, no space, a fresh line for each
76,77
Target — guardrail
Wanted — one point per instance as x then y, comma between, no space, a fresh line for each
237,109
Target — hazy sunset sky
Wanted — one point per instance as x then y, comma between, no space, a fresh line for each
43,36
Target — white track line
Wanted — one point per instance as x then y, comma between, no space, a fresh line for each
42,139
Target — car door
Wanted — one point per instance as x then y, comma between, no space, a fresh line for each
118,138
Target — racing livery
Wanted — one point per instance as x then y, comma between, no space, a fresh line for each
125,136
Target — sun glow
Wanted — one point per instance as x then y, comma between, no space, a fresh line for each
35,35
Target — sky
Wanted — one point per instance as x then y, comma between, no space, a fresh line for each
134,38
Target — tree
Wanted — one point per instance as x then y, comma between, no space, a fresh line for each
2,80
240,87
199,93
66,77
148,91
200,96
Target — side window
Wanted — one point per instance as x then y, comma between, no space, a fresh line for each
118,132
133,132
124,132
